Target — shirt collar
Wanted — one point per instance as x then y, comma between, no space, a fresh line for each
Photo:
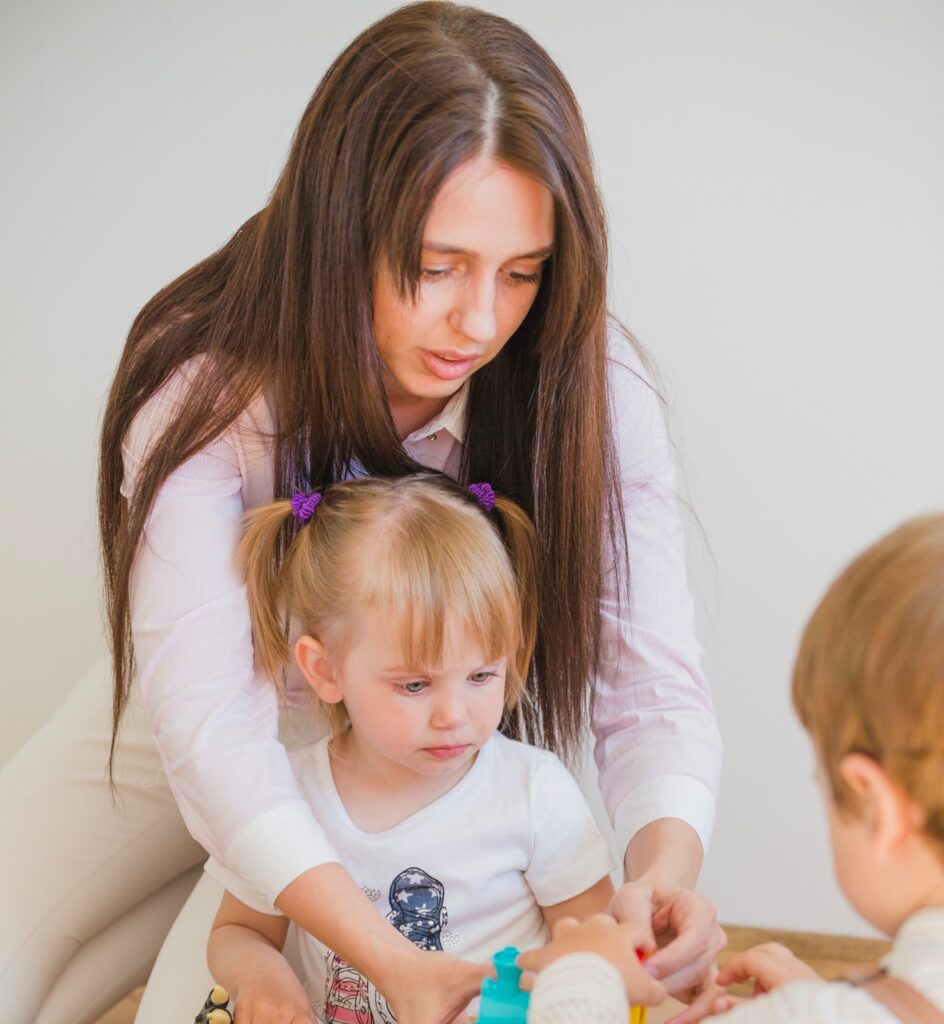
452,418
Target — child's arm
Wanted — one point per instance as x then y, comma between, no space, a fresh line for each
595,900
245,956
601,936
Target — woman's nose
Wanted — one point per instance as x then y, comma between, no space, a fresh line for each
476,312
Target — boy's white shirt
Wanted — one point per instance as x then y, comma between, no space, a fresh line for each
575,985
513,835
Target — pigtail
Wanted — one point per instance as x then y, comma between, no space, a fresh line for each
258,559
521,542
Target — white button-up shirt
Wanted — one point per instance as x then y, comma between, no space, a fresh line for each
216,719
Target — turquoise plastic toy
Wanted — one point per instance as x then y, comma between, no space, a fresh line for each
503,1000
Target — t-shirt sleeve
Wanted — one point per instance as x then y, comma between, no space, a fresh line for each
653,717
569,853
215,720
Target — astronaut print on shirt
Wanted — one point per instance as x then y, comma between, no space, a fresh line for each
418,911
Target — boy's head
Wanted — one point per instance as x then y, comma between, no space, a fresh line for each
868,685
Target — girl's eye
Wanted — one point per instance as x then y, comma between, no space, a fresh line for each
482,677
416,686
433,273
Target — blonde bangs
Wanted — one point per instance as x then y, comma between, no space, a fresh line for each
441,573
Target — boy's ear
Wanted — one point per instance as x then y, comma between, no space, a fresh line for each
316,667
889,813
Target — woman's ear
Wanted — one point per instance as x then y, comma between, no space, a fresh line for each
316,667
885,808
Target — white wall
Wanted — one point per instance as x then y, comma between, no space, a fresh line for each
772,172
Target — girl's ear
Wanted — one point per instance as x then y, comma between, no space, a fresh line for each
316,667
889,813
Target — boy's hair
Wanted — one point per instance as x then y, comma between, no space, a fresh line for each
419,547
869,675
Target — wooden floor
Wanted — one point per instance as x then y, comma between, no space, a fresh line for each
830,955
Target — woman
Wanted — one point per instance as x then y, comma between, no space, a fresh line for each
426,287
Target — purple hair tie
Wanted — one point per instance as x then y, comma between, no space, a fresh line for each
304,505
485,495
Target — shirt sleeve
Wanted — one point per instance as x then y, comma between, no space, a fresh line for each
215,720
577,988
569,853
658,748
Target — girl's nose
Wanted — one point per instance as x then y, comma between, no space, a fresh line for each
448,711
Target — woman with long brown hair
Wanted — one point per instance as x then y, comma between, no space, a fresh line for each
425,287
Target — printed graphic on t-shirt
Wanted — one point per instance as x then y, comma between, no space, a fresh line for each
418,911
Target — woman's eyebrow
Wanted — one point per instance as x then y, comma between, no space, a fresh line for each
445,249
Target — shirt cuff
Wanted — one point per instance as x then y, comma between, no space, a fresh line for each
274,849
666,796
579,987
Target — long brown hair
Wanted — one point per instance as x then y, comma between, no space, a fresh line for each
285,306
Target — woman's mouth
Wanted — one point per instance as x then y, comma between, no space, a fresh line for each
448,365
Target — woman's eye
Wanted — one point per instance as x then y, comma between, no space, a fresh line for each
482,677
417,686
517,277
433,273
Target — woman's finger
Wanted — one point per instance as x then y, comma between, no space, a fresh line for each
698,936
632,905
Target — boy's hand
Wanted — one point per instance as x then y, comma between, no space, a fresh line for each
265,999
602,935
769,966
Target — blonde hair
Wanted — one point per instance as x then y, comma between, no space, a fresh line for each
869,675
419,547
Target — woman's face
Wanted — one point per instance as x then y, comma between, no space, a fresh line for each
487,237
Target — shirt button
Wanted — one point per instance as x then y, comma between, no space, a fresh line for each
431,437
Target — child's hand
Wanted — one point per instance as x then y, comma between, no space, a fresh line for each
267,999
769,966
599,934
435,988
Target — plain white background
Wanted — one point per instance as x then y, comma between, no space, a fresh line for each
773,176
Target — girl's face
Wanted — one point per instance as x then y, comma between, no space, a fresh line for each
427,720
487,237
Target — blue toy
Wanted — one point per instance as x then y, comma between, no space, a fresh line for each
503,1000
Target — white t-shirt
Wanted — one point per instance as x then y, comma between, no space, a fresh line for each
468,873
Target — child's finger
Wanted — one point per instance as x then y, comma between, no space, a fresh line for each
704,1006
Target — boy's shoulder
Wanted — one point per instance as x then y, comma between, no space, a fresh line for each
812,1002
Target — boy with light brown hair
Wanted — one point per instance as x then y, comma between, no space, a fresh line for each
868,685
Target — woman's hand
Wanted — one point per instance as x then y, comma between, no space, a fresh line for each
433,987
599,934
681,927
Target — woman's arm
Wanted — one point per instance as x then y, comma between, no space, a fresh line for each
658,748
216,722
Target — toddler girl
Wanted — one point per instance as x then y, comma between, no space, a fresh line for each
417,602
